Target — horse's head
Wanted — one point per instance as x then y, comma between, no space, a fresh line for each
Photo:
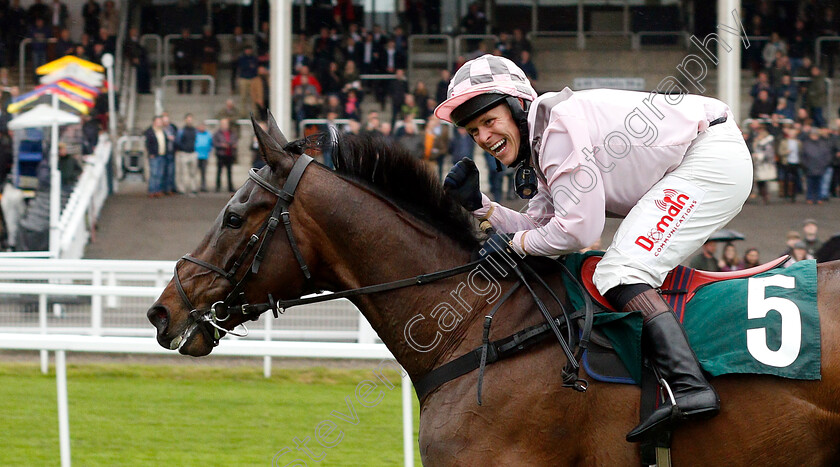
215,288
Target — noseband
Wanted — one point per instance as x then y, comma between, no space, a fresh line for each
220,311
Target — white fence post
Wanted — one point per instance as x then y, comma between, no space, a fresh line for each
96,305
408,428
366,333
42,323
112,301
267,358
63,417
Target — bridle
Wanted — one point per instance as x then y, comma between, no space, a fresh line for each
221,311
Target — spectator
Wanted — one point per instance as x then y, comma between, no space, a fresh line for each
203,146
812,241
436,144
210,49
110,18
351,50
109,42
799,45
90,14
156,150
350,77
789,150
528,66
372,125
787,89
58,16
171,132
186,158
135,53
299,56
781,67
762,83
69,167
503,46
409,108
790,239
352,104
333,104
410,139
706,261
331,82
798,253
184,59
421,99
38,11
729,259
815,96
229,111
38,34
827,26
475,21
442,85
817,155
260,93
784,109
263,39
771,48
834,186
246,66
306,95
64,45
751,259
239,44
519,43
461,146
225,143
392,59
762,106
371,52
397,91
764,161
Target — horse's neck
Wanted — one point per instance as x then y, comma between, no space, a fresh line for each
414,322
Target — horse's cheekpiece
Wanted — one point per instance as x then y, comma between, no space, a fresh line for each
220,311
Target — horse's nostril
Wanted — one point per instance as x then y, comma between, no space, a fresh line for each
158,315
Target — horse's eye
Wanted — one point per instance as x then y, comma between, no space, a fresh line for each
233,221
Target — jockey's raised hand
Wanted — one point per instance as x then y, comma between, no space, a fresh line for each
461,183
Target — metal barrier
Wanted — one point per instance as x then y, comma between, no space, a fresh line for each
465,37
319,122
158,57
818,46
416,57
166,79
22,60
636,37
61,344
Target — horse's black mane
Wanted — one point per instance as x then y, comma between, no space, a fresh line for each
393,172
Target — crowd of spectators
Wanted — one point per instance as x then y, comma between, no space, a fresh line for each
47,26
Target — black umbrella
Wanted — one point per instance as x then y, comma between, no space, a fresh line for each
726,235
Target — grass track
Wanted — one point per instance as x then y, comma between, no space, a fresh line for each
180,415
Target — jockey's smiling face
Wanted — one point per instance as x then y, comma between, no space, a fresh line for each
496,132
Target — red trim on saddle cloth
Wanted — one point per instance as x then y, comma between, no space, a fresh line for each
680,285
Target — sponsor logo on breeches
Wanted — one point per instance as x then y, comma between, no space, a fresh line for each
677,206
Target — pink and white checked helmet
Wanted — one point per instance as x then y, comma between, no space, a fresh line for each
488,74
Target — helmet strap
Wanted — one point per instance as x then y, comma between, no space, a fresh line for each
519,112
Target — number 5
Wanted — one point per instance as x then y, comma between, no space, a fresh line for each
758,305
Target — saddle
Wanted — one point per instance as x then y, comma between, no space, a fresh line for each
601,361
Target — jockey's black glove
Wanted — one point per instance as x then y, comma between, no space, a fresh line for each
498,244
462,184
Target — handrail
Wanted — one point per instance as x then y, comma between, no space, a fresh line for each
377,76
463,37
818,46
319,121
158,52
169,78
22,59
85,201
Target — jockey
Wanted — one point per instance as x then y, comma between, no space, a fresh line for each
674,166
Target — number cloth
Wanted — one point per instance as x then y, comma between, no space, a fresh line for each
766,324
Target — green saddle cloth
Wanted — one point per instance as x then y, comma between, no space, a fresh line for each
765,324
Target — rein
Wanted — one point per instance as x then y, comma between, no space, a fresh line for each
488,353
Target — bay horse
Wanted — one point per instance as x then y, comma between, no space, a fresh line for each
380,216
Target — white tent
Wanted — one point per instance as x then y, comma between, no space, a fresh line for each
40,116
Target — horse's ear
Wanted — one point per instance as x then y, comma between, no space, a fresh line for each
274,130
271,151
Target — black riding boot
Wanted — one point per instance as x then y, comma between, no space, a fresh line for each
666,346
